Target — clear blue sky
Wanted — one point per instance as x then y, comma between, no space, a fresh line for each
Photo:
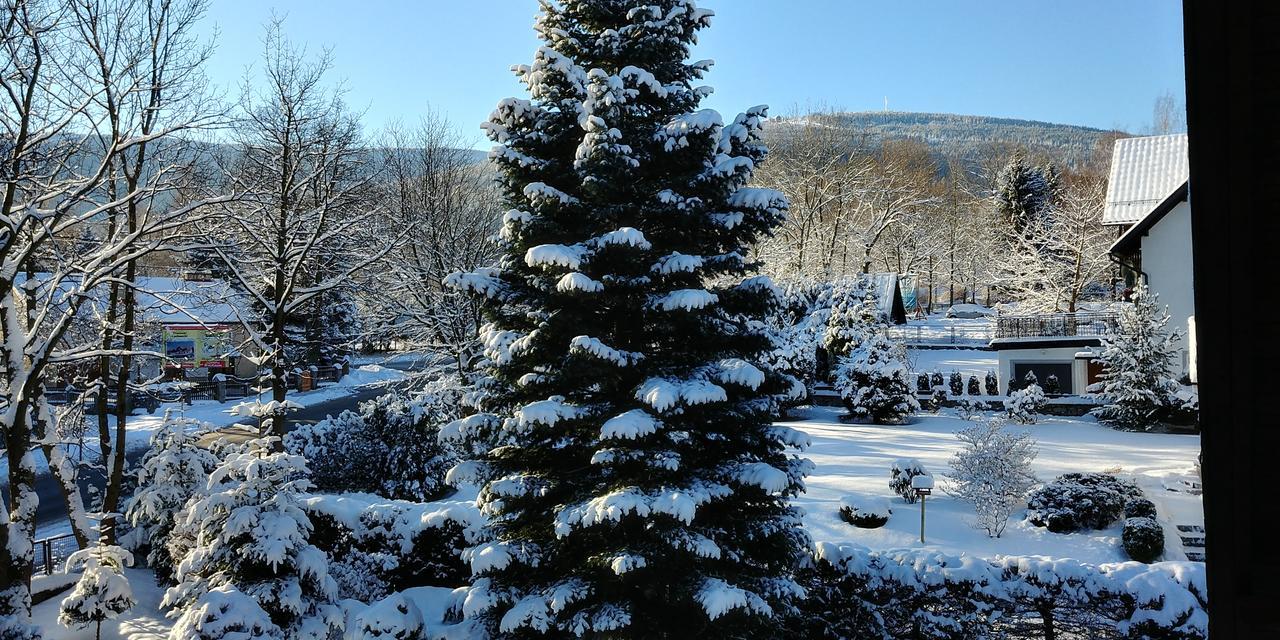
1097,63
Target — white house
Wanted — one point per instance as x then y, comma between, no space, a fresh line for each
1148,206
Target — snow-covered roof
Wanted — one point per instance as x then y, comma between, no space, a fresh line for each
1144,171
168,300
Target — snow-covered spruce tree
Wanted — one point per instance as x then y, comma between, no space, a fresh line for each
647,494
993,472
172,471
101,593
873,378
854,313
247,531
1136,359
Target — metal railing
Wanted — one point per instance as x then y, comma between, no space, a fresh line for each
52,551
1053,325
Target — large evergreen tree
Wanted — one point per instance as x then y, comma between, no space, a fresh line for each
643,491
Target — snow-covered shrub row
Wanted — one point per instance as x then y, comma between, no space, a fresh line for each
901,471
389,448
1143,538
1076,501
865,512
379,546
854,592
1023,404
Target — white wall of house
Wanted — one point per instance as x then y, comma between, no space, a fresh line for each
1008,358
1166,261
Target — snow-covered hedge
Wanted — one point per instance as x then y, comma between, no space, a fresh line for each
379,546
855,592
1077,501
1023,404
865,512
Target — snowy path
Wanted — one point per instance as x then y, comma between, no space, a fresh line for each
856,458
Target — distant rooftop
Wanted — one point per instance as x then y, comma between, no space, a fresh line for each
1144,171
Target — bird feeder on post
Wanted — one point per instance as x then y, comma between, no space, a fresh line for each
923,486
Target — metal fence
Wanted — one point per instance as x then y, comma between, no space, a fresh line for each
51,552
221,388
1051,325
937,334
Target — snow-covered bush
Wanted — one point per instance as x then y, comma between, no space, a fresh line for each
390,448
1052,386
796,329
392,545
172,470
993,472
854,592
1022,405
992,384
247,530
968,408
974,387
1136,359
873,379
1143,539
393,618
102,592
1076,501
935,379
225,613
865,512
901,471
956,382
1139,508
922,383
854,313
937,399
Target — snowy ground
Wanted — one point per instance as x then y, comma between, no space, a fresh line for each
856,458
969,362
142,425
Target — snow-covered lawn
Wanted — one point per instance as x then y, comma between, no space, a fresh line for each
855,459
970,362
143,622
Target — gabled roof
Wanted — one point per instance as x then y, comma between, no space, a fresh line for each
1132,238
1144,171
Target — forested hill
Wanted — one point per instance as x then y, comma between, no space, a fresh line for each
970,138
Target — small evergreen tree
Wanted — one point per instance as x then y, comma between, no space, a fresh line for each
992,383
246,530
171,472
102,592
974,387
873,378
956,382
1136,360
993,472
646,491
854,313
